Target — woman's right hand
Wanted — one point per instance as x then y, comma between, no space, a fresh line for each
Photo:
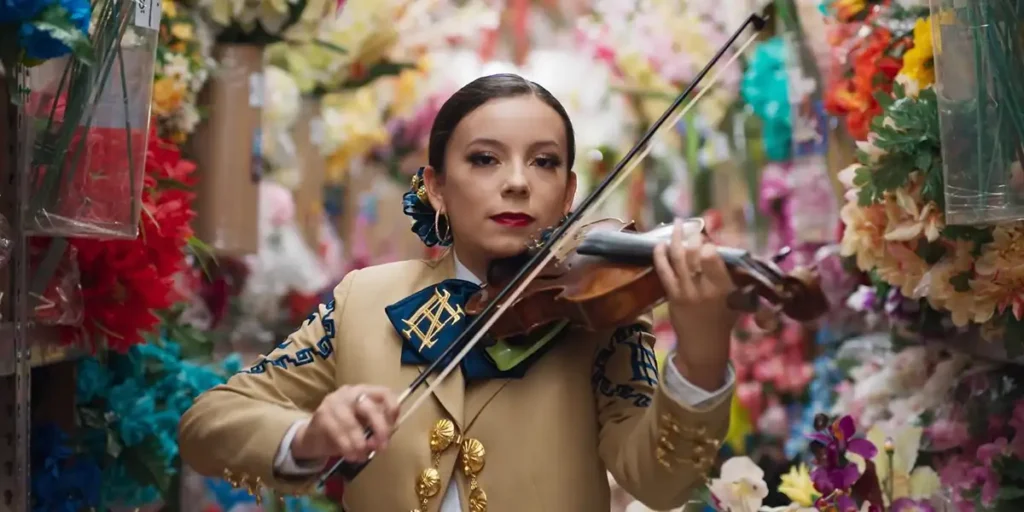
337,428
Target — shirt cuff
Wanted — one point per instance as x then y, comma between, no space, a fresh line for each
285,464
690,395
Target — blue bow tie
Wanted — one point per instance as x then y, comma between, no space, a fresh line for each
430,320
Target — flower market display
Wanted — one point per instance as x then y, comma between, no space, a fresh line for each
875,141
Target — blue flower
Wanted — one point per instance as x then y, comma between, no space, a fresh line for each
93,380
423,215
765,88
40,45
20,11
61,480
135,409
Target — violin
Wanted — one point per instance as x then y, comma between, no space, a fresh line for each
608,280
604,248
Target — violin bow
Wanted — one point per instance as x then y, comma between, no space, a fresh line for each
480,324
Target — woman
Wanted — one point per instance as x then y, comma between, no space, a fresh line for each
532,436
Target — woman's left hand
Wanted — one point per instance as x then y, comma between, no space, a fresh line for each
697,286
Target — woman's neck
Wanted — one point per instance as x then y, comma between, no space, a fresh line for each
473,262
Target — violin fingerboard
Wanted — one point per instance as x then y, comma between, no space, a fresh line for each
620,246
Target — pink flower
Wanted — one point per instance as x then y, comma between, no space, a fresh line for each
946,434
774,421
987,453
768,370
751,396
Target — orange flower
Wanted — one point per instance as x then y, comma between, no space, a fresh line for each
168,94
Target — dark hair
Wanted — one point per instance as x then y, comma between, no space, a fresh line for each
478,92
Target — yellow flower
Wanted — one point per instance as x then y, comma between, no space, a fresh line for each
864,233
167,96
169,9
896,472
183,31
354,125
999,281
909,220
919,61
797,486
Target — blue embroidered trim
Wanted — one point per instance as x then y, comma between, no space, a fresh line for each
323,348
643,363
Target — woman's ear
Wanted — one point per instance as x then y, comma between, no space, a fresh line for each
570,193
434,181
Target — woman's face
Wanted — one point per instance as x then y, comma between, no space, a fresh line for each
505,178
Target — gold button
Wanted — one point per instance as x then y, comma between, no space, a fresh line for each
666,444
442,436
429,484
472,456
477,500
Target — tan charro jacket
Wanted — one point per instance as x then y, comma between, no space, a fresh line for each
540,443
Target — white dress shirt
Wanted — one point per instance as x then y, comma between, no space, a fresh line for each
676,387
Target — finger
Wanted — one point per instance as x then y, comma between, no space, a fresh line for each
351,430
334,437
665,273
715,271
384,397
371,414
678,257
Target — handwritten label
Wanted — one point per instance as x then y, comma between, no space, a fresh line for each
148,13
256,90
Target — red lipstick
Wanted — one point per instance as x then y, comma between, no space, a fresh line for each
512,219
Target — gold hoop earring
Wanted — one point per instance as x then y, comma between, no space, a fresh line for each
437,229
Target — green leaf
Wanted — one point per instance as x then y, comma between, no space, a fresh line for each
56,21
884,99
145,462
1010,493
1013,337
330,46
114,446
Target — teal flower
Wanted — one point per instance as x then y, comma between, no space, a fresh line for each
93,380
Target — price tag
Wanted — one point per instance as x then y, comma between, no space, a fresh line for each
148,13
256,90
316,131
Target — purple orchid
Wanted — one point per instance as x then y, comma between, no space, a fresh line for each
833,472
910,505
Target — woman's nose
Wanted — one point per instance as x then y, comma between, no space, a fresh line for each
516,182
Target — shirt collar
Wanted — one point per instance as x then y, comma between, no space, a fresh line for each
463,273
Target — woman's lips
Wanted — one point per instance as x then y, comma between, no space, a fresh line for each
515,220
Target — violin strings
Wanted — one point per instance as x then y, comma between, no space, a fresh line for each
560,242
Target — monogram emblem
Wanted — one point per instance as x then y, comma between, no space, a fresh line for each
431,318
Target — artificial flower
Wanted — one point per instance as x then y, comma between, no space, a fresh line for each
126,281
918,61
798,487
739,487
896,465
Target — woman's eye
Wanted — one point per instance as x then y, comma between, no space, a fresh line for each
482,159
546,162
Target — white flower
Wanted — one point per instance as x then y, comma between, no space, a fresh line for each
740,486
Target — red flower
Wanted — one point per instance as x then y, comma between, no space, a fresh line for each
874,68
124,282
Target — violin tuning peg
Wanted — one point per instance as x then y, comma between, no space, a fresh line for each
783,253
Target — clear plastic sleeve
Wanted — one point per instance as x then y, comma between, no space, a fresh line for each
979,62
88,127
60,302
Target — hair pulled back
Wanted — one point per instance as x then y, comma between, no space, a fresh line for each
480,91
